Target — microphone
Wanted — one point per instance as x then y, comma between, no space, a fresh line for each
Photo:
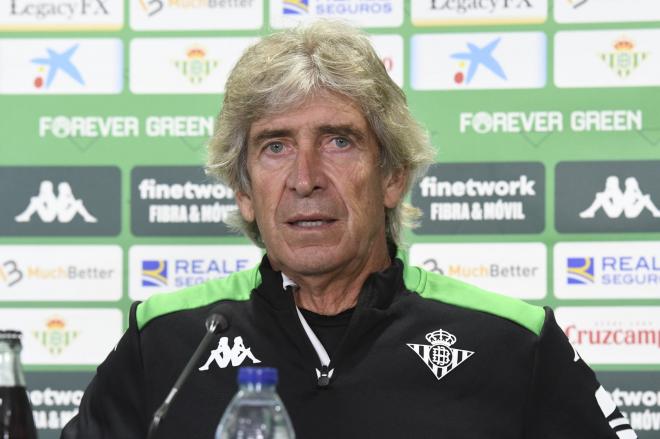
215,323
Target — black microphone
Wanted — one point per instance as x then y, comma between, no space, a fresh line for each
215,323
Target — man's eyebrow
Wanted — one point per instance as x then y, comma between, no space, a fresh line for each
347,130
269,134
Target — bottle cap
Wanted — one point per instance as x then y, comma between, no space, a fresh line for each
10,336
257,375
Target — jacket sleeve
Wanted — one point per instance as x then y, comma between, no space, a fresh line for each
565,399
113,406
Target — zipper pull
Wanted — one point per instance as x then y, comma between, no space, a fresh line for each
323,376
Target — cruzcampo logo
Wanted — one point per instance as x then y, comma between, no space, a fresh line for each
56,337
196,67
623,59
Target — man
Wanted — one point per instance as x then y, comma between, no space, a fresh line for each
320,148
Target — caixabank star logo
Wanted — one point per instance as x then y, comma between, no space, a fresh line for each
440,356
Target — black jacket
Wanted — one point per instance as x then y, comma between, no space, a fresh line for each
424,356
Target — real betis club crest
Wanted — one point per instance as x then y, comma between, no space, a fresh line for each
196,67
439,356
624,58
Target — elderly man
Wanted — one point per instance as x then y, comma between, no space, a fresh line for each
320,148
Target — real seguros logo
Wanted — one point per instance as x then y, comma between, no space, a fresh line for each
188,272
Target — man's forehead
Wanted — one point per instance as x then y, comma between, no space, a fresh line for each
320,112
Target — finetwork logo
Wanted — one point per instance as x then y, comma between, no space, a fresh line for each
62,66
364,13
625,270
195,14
154,273
180,201
473,12
478,61
61,15
481,198
580,271
596,197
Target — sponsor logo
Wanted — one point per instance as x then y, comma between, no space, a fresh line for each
195,15
60,272
61,15
225,355
154,273
179,201
184,65
50,207
478,61
580,271
623,59
637,395
55,398
613,335
55,335
439,356
64,336
616,58
365,13
196,67
60,201
463,12
596,197
513,269
295,7
62,66
155,269
481,198
515,122
617,270
602,11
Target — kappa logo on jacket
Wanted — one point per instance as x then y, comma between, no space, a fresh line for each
223,355
439,356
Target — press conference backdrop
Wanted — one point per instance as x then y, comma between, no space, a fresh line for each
547,184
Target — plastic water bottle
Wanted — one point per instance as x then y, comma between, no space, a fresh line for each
256,412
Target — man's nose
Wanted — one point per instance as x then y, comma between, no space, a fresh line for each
306,175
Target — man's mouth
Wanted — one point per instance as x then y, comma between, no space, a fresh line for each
308,223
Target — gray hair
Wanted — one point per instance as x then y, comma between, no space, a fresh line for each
286,68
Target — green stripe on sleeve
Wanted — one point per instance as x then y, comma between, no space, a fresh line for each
454,292
236,286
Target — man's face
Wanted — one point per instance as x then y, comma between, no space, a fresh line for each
317,192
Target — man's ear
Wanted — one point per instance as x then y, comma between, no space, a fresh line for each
244,202
394,186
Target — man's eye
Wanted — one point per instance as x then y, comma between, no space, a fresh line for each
276,147
341,142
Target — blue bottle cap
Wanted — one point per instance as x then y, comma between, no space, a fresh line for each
257,375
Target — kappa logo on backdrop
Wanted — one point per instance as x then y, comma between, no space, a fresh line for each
439,356
61,208
614,202
224,355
